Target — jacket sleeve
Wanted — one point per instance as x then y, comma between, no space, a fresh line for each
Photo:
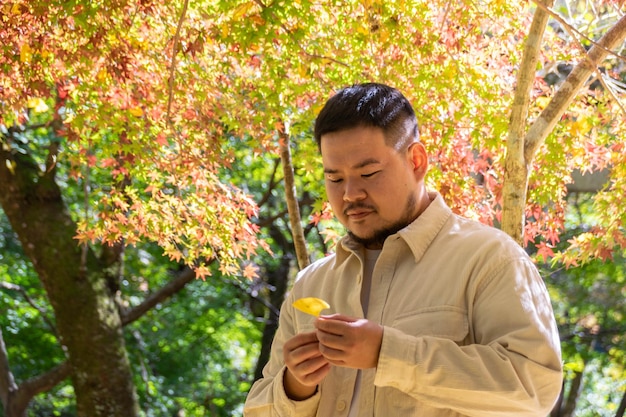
511,365
267,397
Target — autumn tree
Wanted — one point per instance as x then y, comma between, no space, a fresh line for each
147,107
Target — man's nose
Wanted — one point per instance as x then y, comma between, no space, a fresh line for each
353,190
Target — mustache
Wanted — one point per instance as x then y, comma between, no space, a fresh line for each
356,206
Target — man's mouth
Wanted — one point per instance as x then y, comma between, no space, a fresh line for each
355,213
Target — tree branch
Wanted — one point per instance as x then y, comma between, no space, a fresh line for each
548,118
573,31
622,406
171,288
516,170
44,382
261,300
292,203
7,383
170,98
44,316
16,398
271,186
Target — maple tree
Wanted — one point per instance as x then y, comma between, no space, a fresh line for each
146,106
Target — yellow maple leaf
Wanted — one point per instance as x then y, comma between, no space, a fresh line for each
136,111
26,53
242,9
311,305
38,105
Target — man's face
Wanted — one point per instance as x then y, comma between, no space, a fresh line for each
373,190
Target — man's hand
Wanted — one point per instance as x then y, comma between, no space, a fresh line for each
348,341
306,367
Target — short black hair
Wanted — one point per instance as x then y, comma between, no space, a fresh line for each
369,105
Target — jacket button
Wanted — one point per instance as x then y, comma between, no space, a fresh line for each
341,405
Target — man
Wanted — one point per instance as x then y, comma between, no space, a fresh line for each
433,314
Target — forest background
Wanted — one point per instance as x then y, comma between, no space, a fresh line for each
160,186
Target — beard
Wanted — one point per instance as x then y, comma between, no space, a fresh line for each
378,237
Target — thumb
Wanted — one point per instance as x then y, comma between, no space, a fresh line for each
338,317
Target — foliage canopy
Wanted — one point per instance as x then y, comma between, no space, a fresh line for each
161,123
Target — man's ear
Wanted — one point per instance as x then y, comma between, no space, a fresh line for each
419,159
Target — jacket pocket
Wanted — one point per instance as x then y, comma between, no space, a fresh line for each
440,321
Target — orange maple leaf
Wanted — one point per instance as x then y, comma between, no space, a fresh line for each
251,272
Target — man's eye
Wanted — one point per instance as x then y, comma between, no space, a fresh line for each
371,174
334,180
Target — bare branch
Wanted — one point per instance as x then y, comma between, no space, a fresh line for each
262,300
292,203
44,382
7,383
272,184
173,64
42,312
18,398
608,88
573,31
171,288
548,118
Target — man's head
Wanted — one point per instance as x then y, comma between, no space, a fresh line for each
374,164
370,105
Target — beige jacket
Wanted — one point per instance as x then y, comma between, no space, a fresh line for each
468,327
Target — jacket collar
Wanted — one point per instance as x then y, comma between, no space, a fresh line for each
418,235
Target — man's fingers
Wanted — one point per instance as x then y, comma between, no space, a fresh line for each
335,324
354,344
301,339
296,354
334,356
312,370
335,341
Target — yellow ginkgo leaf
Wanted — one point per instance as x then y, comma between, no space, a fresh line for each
311,305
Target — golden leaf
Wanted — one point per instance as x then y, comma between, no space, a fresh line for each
38,105
136,111
26,53
242,9
311,305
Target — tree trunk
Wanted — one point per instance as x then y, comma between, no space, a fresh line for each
572,396
556,410
87,317
291,196
277,281
516,168
622,406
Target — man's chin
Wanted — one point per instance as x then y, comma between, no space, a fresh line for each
376,239
373,241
